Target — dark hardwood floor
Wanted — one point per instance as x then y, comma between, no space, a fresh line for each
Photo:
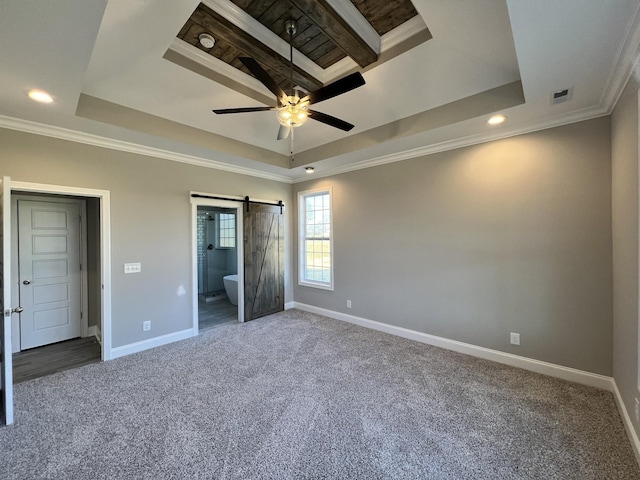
57,357
216,313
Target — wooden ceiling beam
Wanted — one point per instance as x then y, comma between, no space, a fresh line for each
222,28
339,31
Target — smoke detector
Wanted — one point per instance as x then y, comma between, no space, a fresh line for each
206,40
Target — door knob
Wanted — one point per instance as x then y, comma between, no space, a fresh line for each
26,282
17,310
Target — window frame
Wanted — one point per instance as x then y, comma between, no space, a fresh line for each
218,227
302,228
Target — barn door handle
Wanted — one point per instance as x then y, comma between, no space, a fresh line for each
26,282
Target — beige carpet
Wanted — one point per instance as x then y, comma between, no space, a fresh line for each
296,395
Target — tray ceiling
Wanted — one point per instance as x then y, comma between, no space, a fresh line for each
121,78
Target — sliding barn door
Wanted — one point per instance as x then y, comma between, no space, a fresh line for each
263,261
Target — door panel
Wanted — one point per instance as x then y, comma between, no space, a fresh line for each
50,280
263,261
6,376
52,293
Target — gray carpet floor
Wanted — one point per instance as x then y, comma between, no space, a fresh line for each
296,395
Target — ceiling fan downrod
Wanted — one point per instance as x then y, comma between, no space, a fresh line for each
291,27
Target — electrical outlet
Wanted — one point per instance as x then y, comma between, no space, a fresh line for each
637,409
146,325
348,303
515,338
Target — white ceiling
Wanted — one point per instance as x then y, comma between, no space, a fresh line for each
113,50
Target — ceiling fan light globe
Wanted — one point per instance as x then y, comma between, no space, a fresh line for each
292,116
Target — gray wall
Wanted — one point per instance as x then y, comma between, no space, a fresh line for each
471,244
150,220
624,140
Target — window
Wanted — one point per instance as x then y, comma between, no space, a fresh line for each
315,243
226,231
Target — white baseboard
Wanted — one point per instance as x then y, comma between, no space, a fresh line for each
571,374
142,345
290,305
94,331
626,420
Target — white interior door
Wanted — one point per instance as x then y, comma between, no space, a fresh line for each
49,272
6,382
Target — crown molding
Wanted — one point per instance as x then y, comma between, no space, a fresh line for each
573,117
60,133
104,142
625,64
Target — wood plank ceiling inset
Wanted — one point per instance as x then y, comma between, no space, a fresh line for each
309,39
385,15
316,36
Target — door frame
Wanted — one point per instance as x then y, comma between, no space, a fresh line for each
227,204
104,196
6,373
15,270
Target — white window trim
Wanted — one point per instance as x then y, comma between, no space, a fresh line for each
218,241
301,238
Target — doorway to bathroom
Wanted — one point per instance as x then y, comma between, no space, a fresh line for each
217,265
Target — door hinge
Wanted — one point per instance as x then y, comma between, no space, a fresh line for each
81,316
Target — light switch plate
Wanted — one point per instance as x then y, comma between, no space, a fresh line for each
132,267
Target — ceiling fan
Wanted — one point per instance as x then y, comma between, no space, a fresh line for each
292,109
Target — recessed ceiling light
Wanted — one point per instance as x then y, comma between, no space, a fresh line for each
206,40
309,169
40,96
496,120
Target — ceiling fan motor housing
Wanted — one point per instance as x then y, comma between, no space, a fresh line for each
291,27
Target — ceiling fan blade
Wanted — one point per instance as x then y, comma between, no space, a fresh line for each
258,72
242,110
336,88
283,132
329,120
